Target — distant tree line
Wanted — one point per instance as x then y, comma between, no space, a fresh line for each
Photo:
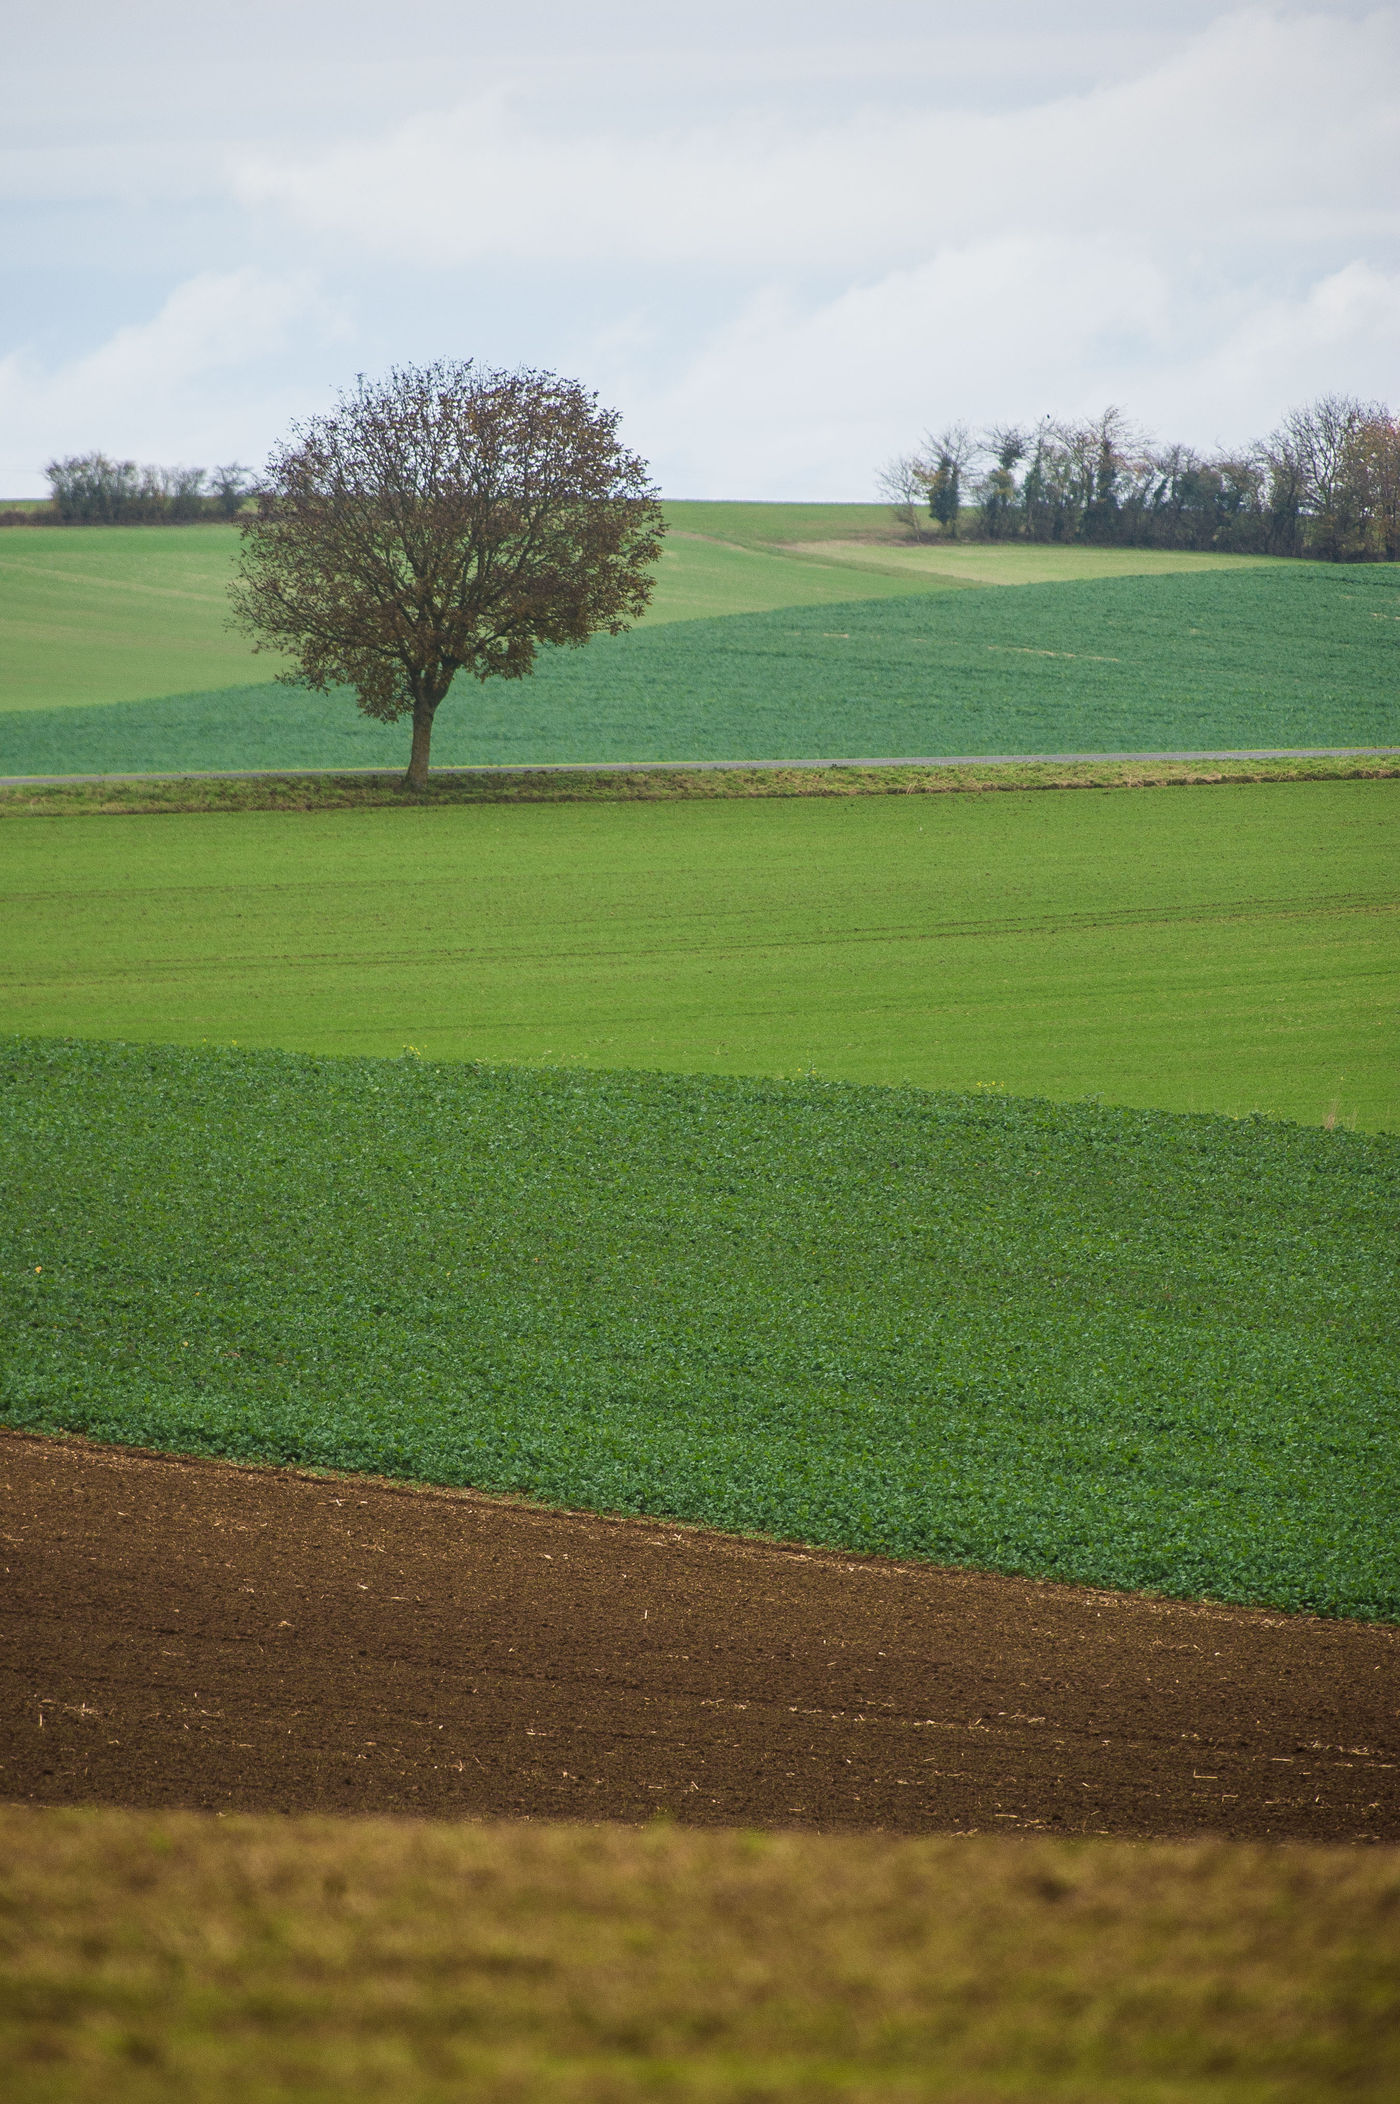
1326,484
89,489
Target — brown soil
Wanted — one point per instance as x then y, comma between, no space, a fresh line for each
187,1633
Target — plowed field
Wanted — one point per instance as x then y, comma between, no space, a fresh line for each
182,1633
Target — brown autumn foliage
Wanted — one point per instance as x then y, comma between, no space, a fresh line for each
448,519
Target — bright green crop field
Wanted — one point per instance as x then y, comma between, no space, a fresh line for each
1125,1348
1288,655
97,614
1228,949
701,577
867,537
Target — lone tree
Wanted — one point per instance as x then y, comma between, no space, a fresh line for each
447,519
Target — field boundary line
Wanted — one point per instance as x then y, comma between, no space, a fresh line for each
665,781
519,767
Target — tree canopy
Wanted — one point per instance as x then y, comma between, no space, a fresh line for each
450,518
1325,483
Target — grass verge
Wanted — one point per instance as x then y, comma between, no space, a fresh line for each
176,1956
1118,1348
134,796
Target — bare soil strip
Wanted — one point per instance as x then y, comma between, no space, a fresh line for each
178,1633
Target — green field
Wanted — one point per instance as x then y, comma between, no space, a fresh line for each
1010,1181
756,525
128,613
702,577
132,613
868,538
1282,656
1227,949
1080,1338
1124,1348
159,1958
100,614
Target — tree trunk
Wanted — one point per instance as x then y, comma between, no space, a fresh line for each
417,776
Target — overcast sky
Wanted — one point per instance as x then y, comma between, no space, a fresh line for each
783,238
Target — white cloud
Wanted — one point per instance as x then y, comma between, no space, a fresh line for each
153,71
806,402
784,240
170,388
815,398
1260,127
1338,334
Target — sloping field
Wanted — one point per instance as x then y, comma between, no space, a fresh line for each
1228,949
130,613
1120,1348
1015,563
778,526
703,578
260,1961
1026,1347
1288,655
871,534
97,614
107,614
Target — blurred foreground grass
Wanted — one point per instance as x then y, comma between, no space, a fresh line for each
152,1957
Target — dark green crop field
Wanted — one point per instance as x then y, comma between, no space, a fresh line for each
1127,1348
1298,654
